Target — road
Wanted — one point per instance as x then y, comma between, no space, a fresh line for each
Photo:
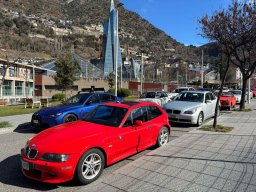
11,178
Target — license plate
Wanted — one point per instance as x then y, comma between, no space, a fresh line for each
35,121
172,116
25,165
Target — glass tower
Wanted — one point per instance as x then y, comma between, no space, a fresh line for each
111,42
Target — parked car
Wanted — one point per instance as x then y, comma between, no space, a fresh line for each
73,109
251,93
237,94
254,92
158,97
178,90
227,100
81,149
191,107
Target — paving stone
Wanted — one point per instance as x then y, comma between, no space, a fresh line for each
206,180
197,188
177,184
187,175
219,183
212,170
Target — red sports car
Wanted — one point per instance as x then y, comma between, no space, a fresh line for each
81,149
227,100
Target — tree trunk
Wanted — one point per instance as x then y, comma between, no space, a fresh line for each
219,94
242,102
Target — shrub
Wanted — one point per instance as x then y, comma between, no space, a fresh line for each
120,92
59,97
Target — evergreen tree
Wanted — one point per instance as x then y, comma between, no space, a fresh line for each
67,71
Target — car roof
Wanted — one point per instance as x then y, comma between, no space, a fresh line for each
81,93
130,104
196,91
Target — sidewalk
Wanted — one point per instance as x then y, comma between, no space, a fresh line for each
197,161
16,121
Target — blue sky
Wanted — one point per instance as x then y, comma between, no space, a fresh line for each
177,18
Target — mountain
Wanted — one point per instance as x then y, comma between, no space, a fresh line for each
34,33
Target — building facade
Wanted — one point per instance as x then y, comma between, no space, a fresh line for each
16,80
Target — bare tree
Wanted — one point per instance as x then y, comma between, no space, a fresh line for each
235,32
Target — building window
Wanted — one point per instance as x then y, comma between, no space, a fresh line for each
18,88
7,88
29,89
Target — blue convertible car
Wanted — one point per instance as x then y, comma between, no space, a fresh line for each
73,109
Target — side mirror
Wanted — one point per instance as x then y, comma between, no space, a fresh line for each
208,101
138,123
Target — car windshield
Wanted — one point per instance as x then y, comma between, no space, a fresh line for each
106,115
236,92
180,90
148,95
227,94
77,99
190,96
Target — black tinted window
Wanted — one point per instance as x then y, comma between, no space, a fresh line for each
153,112
104,98
94,99
140,114
128,121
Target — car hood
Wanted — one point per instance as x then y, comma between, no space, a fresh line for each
182,105
224,98
57,109
63,138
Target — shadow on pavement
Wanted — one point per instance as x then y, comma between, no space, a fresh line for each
25,128
11,175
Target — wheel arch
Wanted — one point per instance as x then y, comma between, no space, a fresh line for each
99,148
70,113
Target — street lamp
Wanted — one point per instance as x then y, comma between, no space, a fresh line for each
116,50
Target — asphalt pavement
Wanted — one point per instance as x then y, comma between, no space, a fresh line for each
195,161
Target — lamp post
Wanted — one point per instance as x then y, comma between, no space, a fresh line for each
116,50
202,72
141,79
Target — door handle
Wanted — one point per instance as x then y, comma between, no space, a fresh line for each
149,127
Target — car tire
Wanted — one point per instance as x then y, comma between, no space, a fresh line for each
200,119
163,137
69,118
90,166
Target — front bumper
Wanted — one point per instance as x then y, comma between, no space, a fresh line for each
183,118
49,172
41,122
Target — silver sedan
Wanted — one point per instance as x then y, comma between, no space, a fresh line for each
191,107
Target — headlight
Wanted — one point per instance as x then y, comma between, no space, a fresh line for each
52,157
190,112
54,115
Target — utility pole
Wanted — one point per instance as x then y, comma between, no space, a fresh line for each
116,52
186,74
202,72
141,79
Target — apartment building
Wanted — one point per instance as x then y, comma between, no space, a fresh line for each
17,82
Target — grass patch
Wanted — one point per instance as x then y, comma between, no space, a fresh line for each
219,128
20,109
243,110
131,98
4,124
